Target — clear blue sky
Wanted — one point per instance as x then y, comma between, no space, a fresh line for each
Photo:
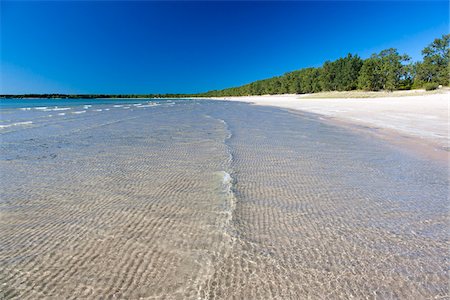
171,47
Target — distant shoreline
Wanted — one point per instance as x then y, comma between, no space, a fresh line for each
332,94
76,97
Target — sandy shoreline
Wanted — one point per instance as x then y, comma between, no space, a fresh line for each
214,200
420,117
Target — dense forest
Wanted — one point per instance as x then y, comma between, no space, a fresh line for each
387,70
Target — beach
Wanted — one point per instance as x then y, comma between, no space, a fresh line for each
208,199
224,150
416,119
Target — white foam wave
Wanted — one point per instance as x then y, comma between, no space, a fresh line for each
98,109
117,105
60,108
227,182
61,114
25,108
16,124
227,179
148,105
56,108
79,112
41,108
230,203
87,106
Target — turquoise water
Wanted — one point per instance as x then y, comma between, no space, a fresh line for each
24,103
198,199
16,113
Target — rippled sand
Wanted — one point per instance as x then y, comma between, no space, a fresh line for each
420,115
216,200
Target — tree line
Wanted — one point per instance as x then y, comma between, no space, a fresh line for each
96,96
387,70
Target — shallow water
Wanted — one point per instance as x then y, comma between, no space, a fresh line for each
205,199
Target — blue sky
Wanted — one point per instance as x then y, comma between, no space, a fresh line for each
175,47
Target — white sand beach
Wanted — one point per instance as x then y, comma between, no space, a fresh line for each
418,114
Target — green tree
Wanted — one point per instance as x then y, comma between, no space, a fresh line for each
393,69
435,66
384,71
341,74
328,75
309,80
293,82
347,72
370,75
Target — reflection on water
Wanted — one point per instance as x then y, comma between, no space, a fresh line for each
202,199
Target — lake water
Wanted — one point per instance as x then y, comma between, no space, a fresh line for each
198,199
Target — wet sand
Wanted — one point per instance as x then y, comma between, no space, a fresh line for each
216,200
421,115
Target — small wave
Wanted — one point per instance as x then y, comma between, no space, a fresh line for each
61,114
106,108
87,106
229,134
126,107
16,124
230,200
25,108
41,108
60,108
227,184
227,179
117,105
56,108
148,105
79,112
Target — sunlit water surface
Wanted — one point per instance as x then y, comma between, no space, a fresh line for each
189,199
